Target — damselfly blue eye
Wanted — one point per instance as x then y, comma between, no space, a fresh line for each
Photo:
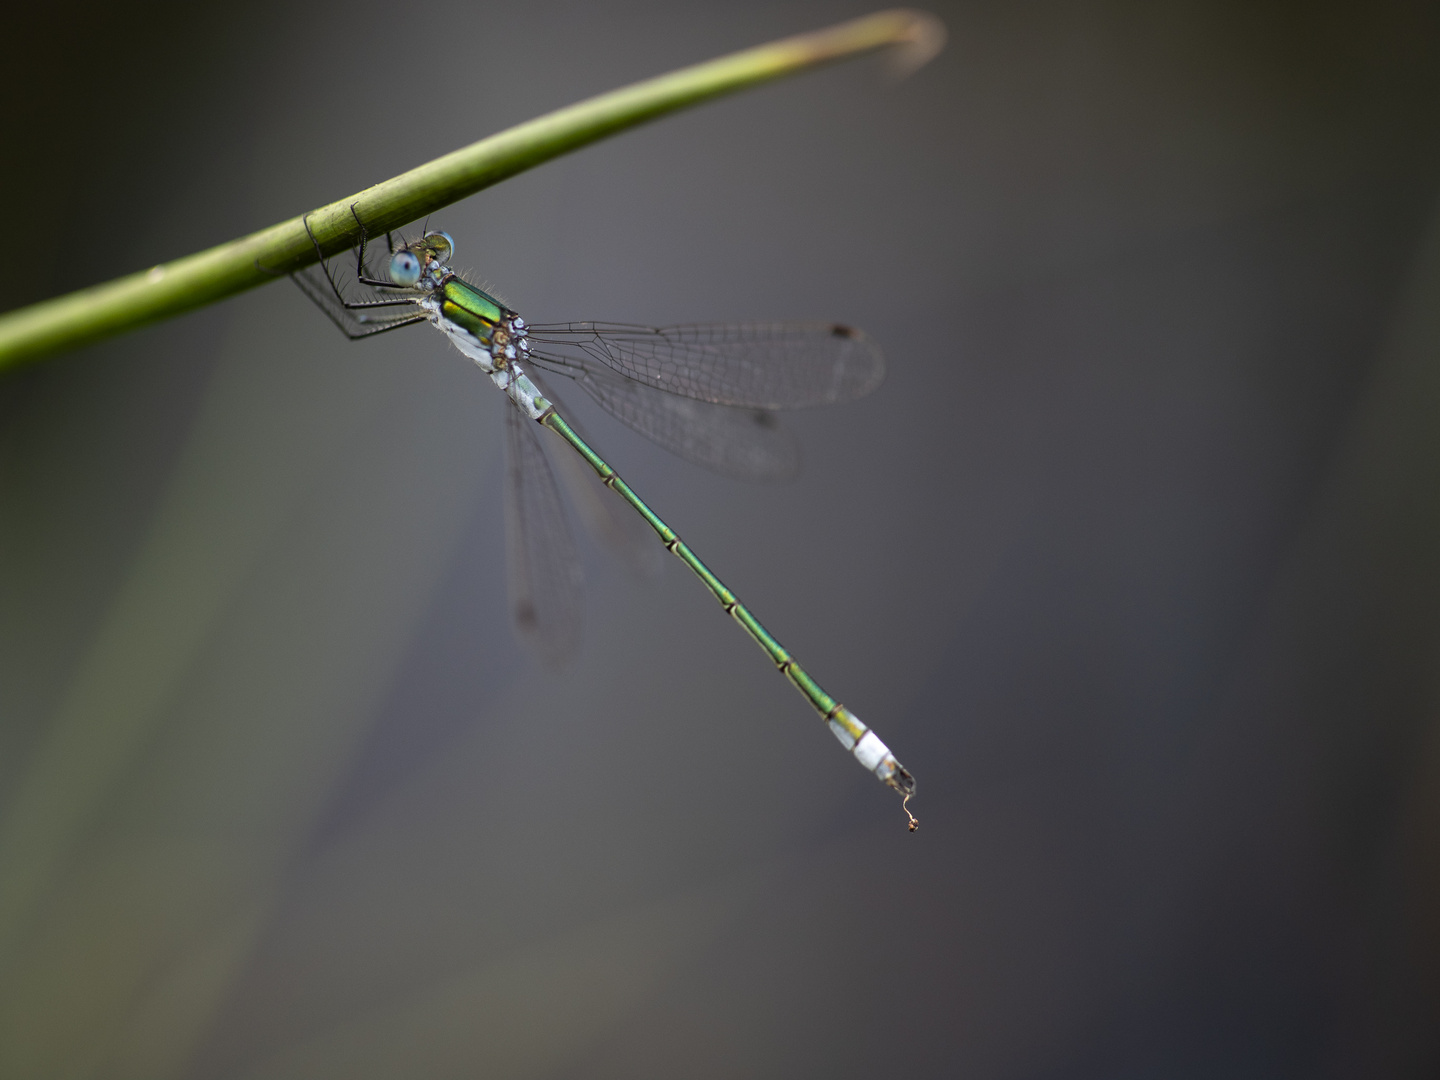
404,268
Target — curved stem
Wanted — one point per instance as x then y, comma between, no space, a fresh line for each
171,288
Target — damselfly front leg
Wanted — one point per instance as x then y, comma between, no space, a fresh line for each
357,318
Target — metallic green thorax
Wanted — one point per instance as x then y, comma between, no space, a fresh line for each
472,310
846,726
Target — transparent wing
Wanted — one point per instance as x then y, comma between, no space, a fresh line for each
746,443
608,518
546,587
754,365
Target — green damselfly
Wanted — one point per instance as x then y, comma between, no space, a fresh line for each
706,392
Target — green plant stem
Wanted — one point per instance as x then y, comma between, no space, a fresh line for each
195,280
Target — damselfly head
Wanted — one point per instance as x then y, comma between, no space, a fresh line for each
413,261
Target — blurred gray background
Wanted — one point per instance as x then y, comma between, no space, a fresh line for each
1134,560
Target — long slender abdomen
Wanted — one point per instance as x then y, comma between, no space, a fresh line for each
862,743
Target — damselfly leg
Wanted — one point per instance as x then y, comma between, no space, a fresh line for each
356,318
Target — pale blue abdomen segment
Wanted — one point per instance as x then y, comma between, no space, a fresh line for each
867,748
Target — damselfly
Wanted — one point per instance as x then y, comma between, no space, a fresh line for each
706,392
